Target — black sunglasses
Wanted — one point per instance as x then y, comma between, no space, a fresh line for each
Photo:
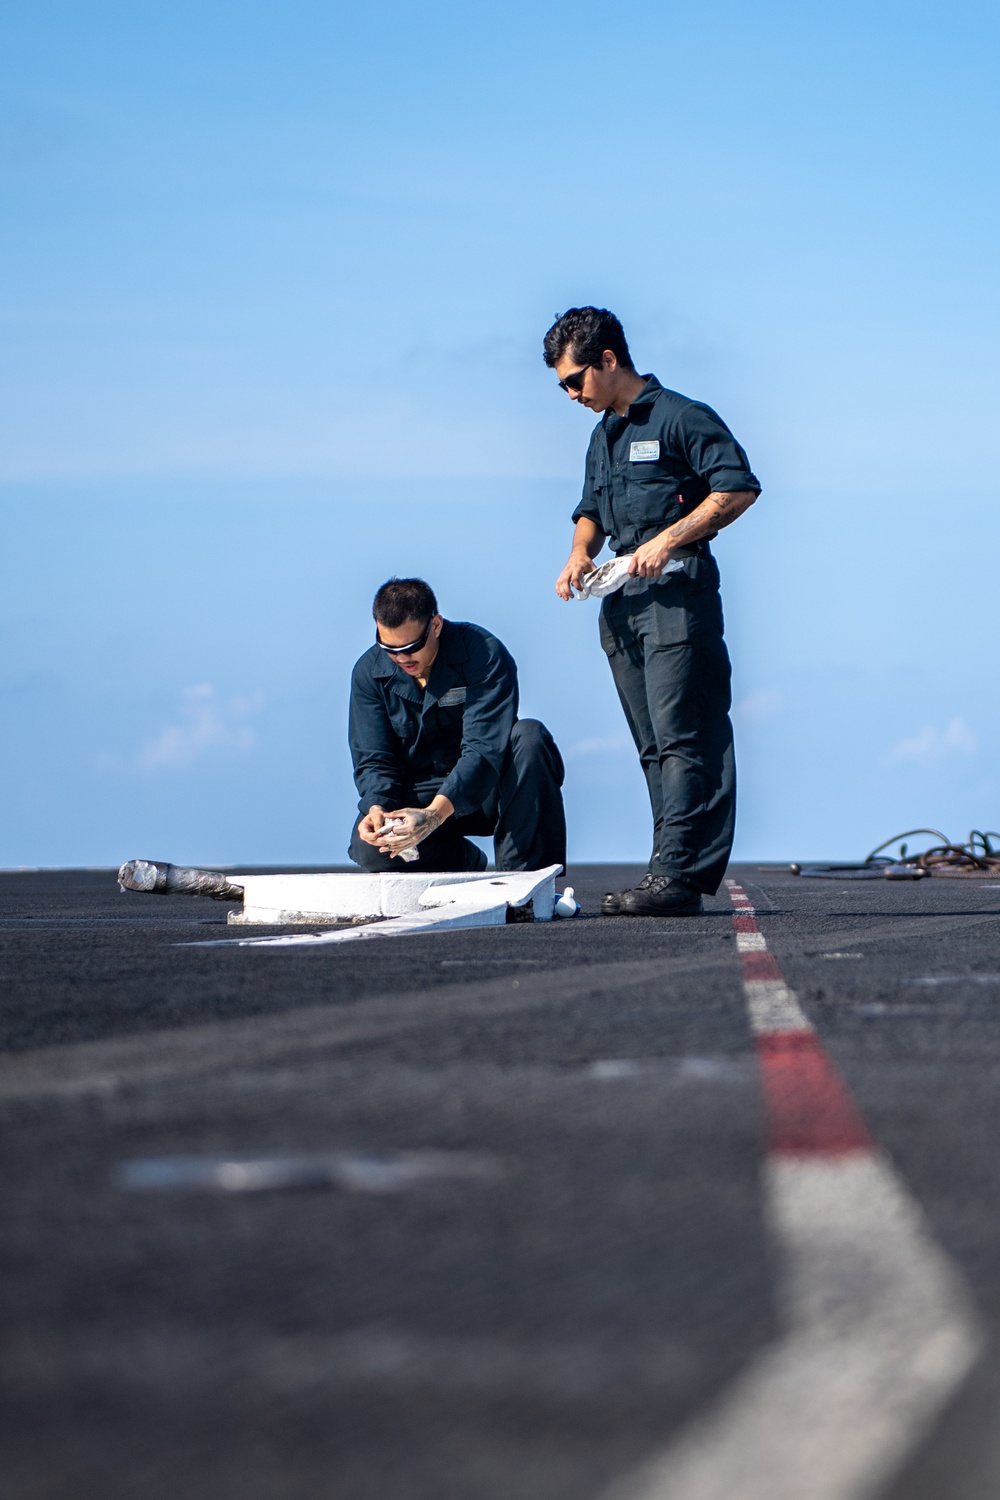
574,381
409,649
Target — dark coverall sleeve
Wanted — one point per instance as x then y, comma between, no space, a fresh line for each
374,745
712,451
489,718
590,500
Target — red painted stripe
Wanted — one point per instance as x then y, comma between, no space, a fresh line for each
810,1111
761,965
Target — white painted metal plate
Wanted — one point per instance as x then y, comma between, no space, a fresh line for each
278,899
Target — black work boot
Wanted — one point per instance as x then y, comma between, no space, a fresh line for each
663,896
611,905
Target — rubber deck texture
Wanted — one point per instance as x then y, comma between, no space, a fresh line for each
536,1331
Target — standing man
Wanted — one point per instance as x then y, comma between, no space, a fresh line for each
663,476
438,747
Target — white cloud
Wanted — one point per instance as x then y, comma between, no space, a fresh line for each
765,704
205,724
931,747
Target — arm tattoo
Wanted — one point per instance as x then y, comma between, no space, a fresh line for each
681,528
719,509
726,519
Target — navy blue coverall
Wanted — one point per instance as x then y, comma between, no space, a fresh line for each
461,737
664,640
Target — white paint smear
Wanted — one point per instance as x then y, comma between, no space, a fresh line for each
878,1334
750,942
773,1006
930,980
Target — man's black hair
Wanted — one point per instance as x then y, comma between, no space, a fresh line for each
402,599
585,333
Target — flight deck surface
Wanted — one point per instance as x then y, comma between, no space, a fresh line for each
595,1264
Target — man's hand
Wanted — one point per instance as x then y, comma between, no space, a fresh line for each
588,539
415,824
580,564
370,824
649,560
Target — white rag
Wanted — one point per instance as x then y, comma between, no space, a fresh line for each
610,576
408,854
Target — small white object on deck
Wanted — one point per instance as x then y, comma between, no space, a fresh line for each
567,904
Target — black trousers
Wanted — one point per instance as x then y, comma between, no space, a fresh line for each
672,672
525,815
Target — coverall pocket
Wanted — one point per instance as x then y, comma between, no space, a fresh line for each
669,622
684,609
651,494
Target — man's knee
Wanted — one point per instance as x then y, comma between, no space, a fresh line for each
528,736
532,745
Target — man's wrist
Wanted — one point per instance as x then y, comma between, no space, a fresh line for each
667,541
440,808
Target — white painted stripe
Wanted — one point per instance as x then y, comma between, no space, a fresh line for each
750,942
773,1006
878,1335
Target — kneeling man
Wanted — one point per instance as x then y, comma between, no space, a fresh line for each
437,744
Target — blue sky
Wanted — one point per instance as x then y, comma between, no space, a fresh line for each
274,289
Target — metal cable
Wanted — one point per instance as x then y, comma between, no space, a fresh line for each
978,855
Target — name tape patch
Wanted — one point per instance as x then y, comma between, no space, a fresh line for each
451,697
644,453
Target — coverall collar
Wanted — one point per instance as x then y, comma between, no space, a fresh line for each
645,399
443,673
